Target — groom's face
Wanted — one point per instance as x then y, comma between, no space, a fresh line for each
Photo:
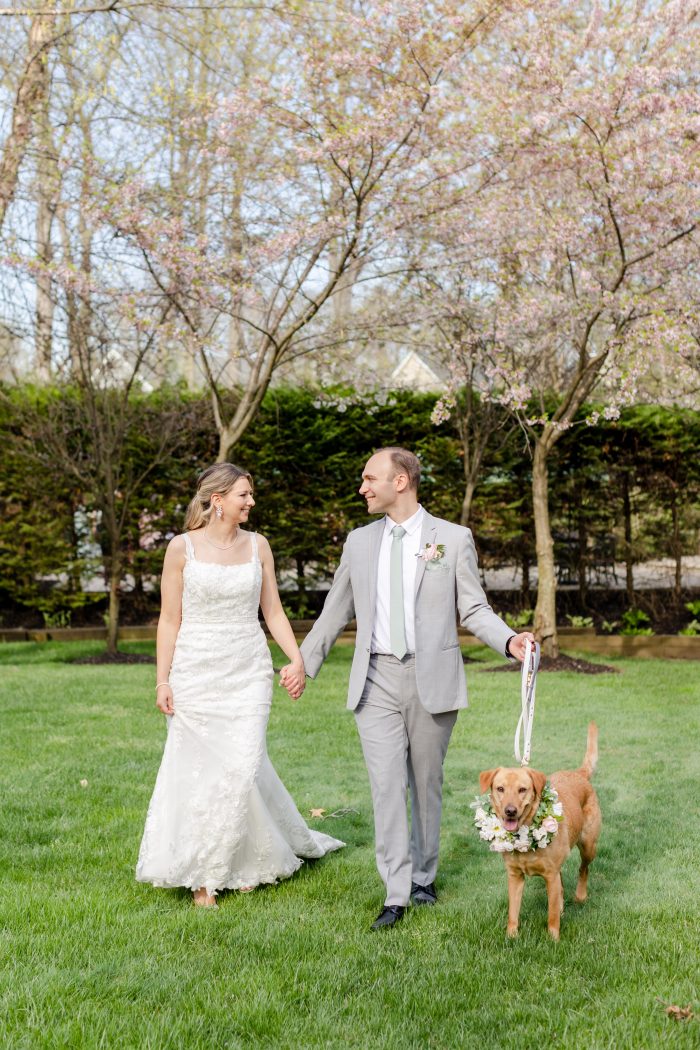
378,486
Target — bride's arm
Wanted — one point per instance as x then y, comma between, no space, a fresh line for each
169,621
278,625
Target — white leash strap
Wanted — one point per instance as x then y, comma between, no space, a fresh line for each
527,699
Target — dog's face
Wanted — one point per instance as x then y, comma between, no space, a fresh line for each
515,793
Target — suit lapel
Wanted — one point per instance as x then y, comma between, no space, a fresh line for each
375,542
428,533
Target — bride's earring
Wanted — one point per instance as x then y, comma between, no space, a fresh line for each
219,512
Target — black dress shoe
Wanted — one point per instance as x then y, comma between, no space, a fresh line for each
388,916
423,894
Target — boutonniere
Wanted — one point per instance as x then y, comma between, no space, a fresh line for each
432,552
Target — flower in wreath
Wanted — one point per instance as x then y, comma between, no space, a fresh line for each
521,842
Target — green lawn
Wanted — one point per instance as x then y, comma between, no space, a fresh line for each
91,959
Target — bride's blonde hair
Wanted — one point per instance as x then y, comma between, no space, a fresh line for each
220,478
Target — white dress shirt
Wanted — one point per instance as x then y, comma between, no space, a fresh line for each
381,634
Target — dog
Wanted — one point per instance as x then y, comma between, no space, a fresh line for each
515,797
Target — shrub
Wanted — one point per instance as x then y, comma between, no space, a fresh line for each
635,622
580,621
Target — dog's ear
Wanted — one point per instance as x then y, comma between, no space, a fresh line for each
538,780
486,779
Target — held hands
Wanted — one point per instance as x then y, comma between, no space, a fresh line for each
517,644
293,678
164,698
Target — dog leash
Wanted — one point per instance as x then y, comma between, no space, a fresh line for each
527,699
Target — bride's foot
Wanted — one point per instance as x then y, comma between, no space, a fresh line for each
202,899
246,889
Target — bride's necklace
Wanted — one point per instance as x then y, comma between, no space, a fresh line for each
222,546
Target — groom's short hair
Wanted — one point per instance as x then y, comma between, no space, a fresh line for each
404,462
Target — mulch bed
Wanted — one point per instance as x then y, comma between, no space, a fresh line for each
561,663
116,658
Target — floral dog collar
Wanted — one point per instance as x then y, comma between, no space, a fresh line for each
536,835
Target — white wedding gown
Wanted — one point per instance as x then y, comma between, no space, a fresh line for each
220,817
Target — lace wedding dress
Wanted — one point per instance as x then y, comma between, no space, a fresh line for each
220,817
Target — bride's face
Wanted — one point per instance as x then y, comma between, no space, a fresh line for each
238,502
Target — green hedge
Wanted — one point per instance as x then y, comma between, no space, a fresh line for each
306,452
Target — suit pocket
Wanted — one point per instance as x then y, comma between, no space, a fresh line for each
447,648
437,567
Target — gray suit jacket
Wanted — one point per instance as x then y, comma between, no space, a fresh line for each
443,589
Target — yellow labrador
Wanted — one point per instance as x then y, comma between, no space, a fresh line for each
515,796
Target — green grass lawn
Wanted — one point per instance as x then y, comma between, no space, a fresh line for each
92,959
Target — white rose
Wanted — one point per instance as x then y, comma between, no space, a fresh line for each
480,814
542,843
522,846
557,809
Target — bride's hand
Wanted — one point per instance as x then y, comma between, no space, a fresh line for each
164,699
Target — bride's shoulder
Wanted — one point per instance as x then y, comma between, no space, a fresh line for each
262,542
177,548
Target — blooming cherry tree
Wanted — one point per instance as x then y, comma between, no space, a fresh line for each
315,165
583,238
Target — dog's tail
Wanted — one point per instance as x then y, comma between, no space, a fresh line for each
590,760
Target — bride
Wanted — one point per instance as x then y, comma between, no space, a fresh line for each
220,817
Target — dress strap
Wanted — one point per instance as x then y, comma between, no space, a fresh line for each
189,548
254,541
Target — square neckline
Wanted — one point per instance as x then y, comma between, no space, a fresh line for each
191,555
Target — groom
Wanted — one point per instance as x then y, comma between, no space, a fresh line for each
405,578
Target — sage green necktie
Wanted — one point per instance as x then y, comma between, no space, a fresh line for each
397,627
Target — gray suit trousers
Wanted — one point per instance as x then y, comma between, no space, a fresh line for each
404,746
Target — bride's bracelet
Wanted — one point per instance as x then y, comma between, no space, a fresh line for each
159,684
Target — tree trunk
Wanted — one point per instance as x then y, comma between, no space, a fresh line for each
677,552
467,502
525,581
301,589
546,608
627,512
231,433
582,560
114,604
44,293
30,93
225,444
46,208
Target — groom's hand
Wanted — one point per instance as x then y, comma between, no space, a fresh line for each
293,678
517,644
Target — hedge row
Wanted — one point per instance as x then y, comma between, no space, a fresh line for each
624,488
